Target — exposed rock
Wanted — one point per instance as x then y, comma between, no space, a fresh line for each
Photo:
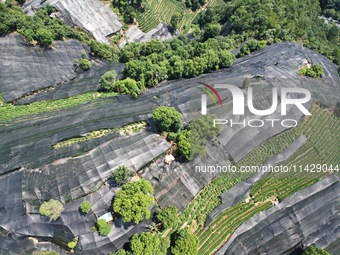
134,34
91,15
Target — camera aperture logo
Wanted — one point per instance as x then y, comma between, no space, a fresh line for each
238,98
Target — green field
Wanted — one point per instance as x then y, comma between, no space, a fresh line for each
156,11
321,129
126,130
10,111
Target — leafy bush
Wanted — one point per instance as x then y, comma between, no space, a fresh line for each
52,209
167,119
73,243
128,86
314,71
251,46
312,250
104,51
192,141
85,206
145,243
134,200
103,227
168,216
121,252
108,80
40,28
121,174
185,243
184,144
44,36
172,136
85,64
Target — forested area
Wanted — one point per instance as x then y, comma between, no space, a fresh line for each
276,21
331,8
148,63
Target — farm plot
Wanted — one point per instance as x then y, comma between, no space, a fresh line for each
322,147
156,11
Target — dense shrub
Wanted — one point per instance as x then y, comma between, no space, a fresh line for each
121,174
52,209
108,80
103,227
85,207
315,71
134,200
85,64
167,119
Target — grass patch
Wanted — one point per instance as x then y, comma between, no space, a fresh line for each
9,111
125,130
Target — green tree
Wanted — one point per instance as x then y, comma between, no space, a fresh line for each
44,36
85,64
104,51
312,250
212,30
103,227
201,131
129,86
175,19
73,243
333,34
145,244
185,243
167,119
108,80
121,252
226,59
52,209
85,206
184,144
168,216
134,200
121,174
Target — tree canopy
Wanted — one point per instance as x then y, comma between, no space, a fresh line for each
167,119
145,244
52,209
108,80
85,207
121,174
168,216
200,130
134,200
85,64
185,243
103,227
312,250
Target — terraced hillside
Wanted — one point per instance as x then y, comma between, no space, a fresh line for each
323,146
157,11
